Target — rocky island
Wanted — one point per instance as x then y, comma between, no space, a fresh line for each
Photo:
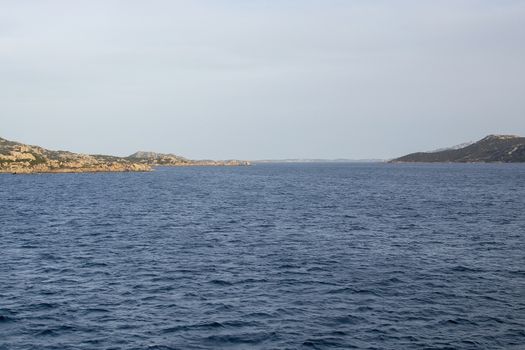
19,158
493,148
168,159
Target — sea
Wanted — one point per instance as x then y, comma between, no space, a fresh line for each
270,256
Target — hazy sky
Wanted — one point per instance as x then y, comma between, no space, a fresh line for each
259,79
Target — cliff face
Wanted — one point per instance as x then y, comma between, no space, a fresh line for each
25,159
162,159
493,148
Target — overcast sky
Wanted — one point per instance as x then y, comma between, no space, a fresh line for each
258,79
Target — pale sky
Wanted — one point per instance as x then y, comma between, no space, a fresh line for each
254,79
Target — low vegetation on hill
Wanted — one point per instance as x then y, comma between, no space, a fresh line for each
493,148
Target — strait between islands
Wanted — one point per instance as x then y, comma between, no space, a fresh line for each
19,158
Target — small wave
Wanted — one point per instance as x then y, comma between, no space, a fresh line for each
240,324
317,268
392,280
288,266
53,332
221,282
253,280
259,315
222,307
348,319
461,268
43,306
457,321
6,319
520,273
46,332
160,347
244,338
352,291
355,228
97,310
338,333
201,326
364,309
488,319
322,343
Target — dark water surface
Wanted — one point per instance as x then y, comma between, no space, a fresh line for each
318,256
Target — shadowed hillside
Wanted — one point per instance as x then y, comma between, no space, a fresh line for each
493,148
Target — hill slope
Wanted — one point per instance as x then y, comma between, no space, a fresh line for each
17,157
493,148
153,158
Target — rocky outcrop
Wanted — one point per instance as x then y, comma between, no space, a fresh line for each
155,159
163,159
18,158
493,148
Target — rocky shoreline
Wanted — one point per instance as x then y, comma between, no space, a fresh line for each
19,158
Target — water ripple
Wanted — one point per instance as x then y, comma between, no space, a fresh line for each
317,256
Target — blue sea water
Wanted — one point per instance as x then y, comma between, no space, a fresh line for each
290,256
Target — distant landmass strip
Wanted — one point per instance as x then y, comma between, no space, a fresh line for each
19,158
493,148
318,160
163,159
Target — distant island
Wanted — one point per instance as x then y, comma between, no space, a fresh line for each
19,158
163,159
491,149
